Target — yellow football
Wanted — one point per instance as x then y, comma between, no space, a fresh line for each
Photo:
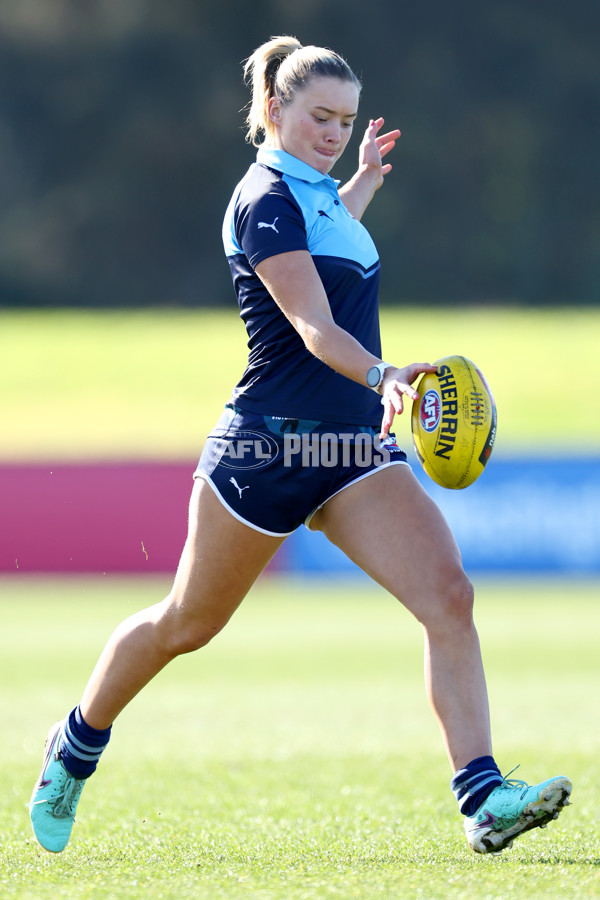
454,422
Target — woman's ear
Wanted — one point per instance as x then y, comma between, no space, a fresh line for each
274,109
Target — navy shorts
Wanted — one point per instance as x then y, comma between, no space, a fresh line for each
274,473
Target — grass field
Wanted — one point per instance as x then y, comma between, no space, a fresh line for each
152,384
295,757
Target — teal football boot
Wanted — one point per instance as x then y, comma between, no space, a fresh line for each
512,808
55,797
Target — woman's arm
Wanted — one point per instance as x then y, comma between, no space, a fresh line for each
358,192
294,283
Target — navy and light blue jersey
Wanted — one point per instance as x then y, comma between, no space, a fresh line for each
283,204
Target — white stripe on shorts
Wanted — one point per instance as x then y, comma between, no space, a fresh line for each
393,462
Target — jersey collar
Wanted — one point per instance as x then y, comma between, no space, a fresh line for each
284,162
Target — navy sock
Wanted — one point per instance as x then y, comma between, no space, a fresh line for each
81,745
473,785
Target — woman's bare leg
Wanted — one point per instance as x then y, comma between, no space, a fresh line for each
391,528
221,560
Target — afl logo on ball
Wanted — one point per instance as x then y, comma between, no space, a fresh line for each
431,410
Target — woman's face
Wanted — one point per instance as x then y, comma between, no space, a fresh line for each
316,126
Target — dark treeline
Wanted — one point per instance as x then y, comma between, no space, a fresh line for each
121,139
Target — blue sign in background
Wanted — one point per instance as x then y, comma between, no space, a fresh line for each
523,515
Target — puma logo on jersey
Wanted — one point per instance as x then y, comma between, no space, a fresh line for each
236,485
323,213
269,225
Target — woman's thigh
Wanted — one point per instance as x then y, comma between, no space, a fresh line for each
390,527
221,560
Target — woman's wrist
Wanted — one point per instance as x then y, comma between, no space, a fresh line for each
358,192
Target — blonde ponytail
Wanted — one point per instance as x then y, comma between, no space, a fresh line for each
260,71
281,66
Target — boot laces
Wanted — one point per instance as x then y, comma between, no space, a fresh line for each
65,803
514,782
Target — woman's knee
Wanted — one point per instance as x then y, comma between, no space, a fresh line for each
450,603
189,637
460,595
184,630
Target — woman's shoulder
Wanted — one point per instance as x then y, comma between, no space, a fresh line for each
262,181
261,192
263,217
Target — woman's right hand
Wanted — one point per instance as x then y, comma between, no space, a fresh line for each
396,385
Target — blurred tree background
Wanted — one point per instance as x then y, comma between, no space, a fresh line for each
121,140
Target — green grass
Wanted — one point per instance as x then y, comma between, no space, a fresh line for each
152,384
295,757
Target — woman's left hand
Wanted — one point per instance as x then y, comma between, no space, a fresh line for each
397,384
359,191
375,146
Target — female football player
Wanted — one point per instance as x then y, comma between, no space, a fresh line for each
306,274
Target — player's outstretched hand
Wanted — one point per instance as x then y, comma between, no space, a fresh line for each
397,384
375,146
